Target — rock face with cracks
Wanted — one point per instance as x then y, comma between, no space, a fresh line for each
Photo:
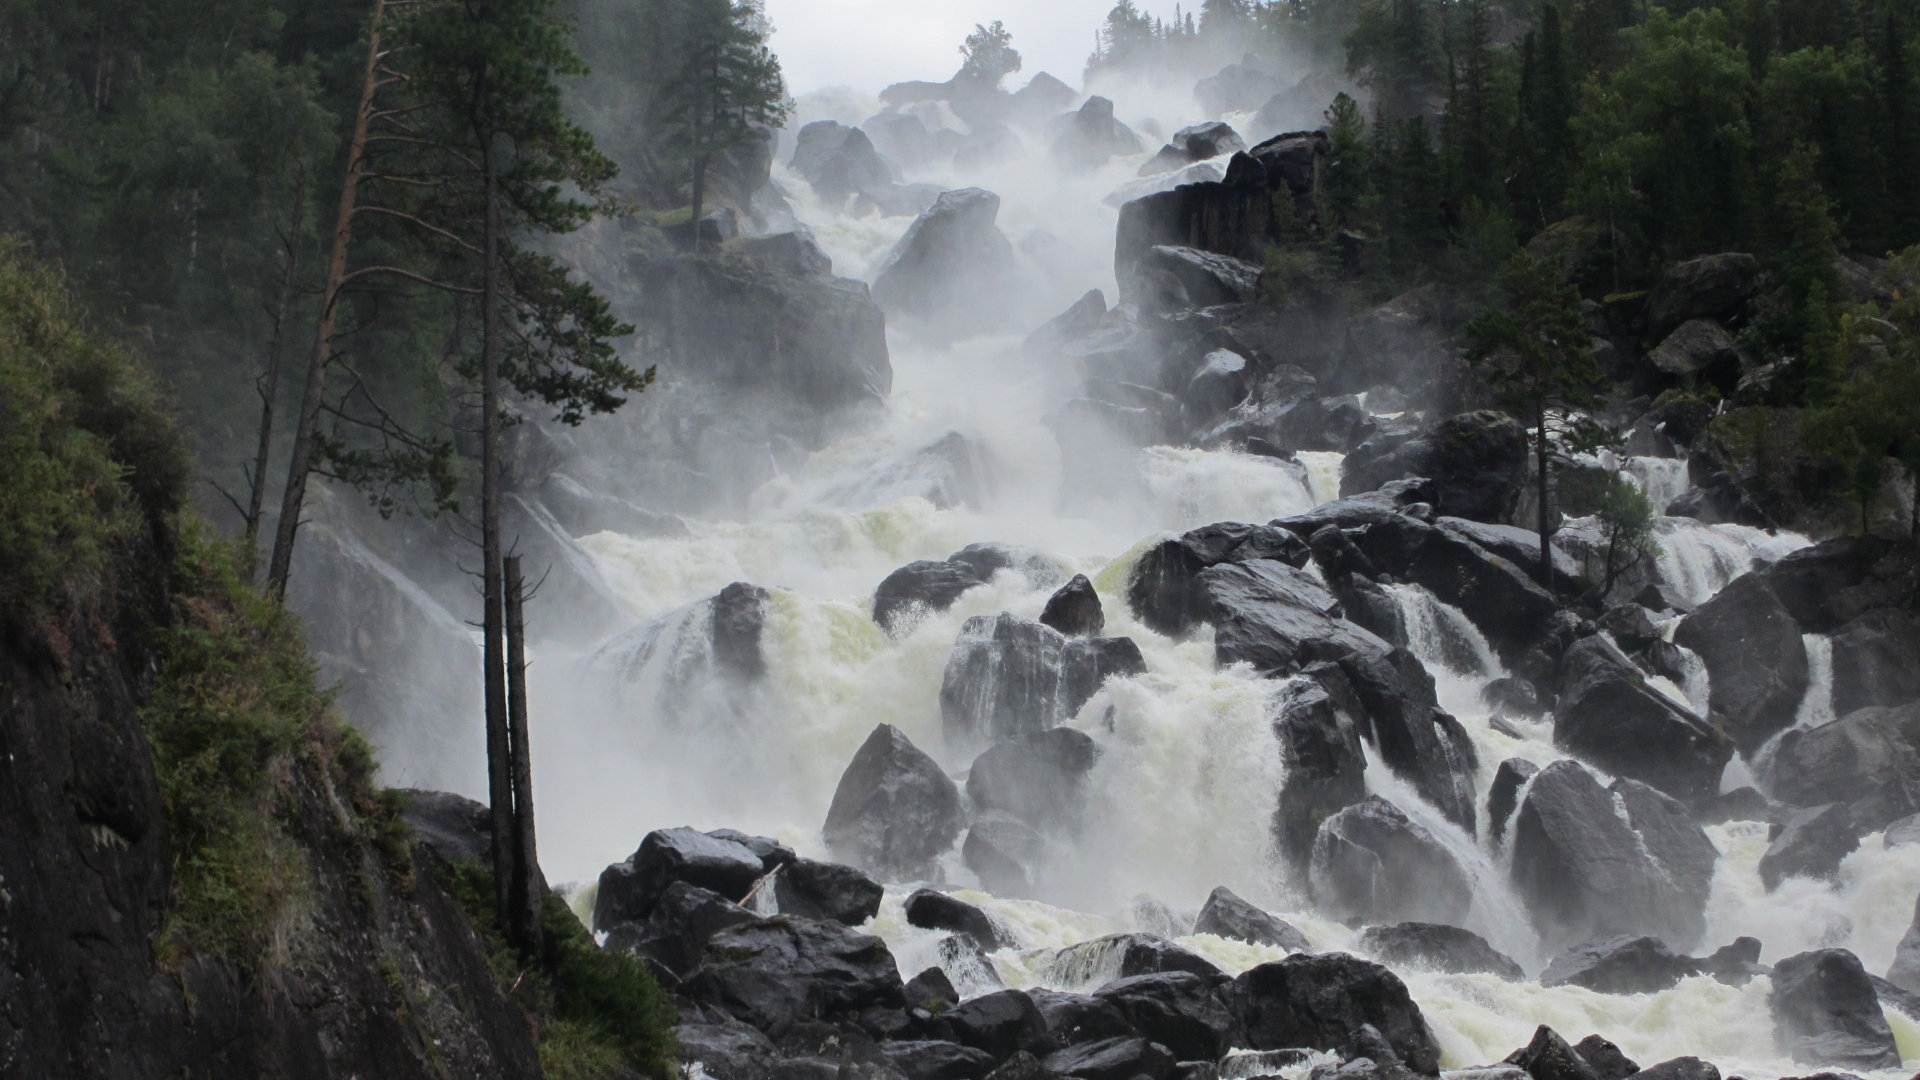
894,811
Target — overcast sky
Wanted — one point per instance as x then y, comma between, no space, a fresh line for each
869,44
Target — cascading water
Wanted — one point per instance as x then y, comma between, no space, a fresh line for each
1183,793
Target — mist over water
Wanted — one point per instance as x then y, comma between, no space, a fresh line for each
1183,795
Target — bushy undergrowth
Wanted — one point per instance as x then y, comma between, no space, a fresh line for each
599,1013
88,455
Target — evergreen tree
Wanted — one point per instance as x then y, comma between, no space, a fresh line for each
1533,350
988,55
728,88
1347,193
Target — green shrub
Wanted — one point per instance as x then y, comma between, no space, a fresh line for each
85,450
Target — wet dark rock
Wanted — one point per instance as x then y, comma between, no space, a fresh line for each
1505,603
1514,696
1112,1059
1586,874
927,586
1218,385
1371,862
1078,1019
1477,462
1503,795
1337,554
1371,608
1169,277
776,972
1001,1024
1622,965
931,991
729,1050
676,931
1438,948
1825,1011
931,910
1605,1058
1736,963
1122,956
1004,853
1177,1009
629,890
952,268
1905,972
739,615
1681,1068
1711,286
822,890
1548,1057
454,827
1196,143
1699,349
771,853
1075,609
1873,664
1231,217
1870,756
1809,844
1226,915
839,161
937,1060
1756,661
1893,997
1834,582
1092,136
1009,677
967,963
894,812
1325,763
1318,1001
1021,1066
1037,568
1610,716
1163,588
1038,778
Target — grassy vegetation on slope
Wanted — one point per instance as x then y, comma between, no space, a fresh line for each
92,479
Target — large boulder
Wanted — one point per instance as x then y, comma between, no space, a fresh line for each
1089,138
1372,862
1834,582
1324,761
1873,661
1587,873
1179,1010
675,933
1004,853
1163,588
927,1059
1708,287
1318,1001
1477,462
933,910
1701,350
777,972
1548,1057
729,1050
1609,715
1002,1024
628,890
1871,757
1038,778
1122,956
1009,677
823,890
1622,965
1825,1012
1233,216
1226,915
1196,143
1171,278
1606,1058
1503,795
1075,609
894,812
839,161
1122,1058
953,269
1438,948
1078,1019
1756,661
1810,844
920,588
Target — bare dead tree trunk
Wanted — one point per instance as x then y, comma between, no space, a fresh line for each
499,740
313,397
270,379
526,879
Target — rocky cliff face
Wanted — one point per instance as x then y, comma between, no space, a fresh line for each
369,970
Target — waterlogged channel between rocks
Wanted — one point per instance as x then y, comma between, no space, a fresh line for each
1183,795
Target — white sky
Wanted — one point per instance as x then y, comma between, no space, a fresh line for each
870,44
